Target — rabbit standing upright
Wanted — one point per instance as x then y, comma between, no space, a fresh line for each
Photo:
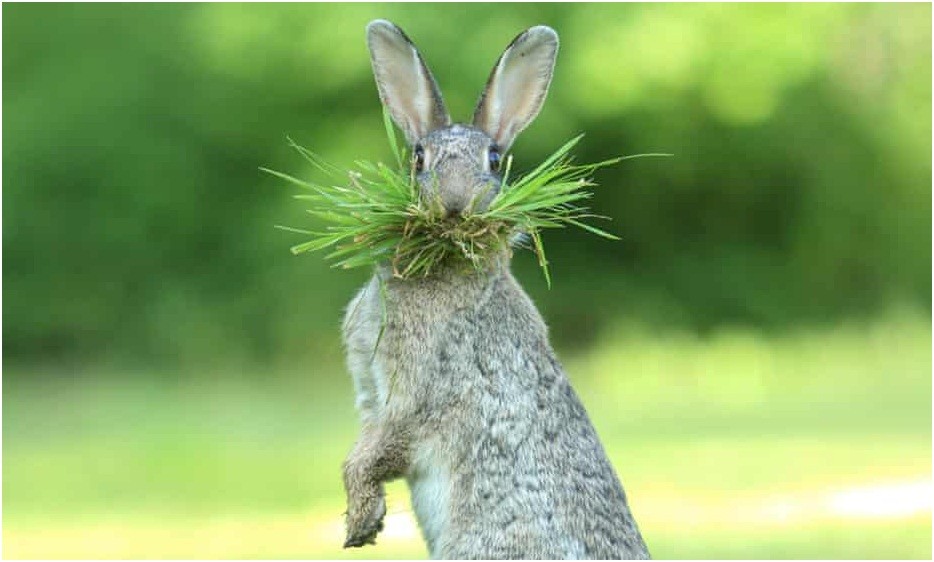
463,395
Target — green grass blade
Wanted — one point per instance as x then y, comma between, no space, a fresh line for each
391,135
375,212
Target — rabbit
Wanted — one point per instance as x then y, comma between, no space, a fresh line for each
457,387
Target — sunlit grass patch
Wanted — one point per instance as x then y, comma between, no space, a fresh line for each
692,525
872,375
820,452
885,540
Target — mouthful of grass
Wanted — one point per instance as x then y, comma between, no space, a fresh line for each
374,214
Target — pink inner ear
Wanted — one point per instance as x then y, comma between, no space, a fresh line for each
517,88
406,86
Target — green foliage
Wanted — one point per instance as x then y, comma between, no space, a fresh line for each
137,230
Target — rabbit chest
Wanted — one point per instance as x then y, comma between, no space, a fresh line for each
402,340
408,346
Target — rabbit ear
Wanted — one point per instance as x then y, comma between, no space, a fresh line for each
516,89
405,84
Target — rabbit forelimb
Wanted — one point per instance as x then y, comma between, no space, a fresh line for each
381,454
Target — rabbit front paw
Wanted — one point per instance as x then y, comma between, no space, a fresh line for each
365,514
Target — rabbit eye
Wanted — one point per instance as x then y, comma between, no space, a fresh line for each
494,159
419,155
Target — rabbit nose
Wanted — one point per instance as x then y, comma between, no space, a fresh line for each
455,203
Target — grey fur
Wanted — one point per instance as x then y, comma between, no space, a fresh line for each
461,394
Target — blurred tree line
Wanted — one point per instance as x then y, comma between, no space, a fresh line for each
138,230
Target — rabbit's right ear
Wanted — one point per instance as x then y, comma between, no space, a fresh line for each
516,89
405,84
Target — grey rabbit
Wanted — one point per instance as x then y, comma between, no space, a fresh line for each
457,386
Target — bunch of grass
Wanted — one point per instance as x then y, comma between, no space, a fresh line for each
374,214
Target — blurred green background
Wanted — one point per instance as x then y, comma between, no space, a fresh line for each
755,352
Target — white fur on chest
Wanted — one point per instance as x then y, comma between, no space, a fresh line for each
429,484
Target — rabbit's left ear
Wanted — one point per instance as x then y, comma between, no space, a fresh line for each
405,84
516,89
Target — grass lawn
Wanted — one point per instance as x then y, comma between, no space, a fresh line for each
741,444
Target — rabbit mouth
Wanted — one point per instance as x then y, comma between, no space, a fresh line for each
460,210
458,213
454,204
